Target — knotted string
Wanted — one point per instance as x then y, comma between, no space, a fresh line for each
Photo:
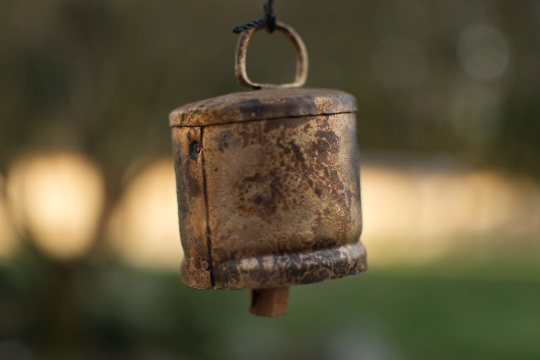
269,20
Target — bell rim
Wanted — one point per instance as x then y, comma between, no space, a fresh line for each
270,271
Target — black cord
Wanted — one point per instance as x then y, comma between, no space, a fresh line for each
269,19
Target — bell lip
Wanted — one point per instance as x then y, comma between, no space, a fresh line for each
265,104
270,271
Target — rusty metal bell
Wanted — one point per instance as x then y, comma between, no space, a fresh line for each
268,187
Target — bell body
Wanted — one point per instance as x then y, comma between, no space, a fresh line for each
268,188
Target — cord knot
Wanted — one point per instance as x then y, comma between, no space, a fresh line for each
269,20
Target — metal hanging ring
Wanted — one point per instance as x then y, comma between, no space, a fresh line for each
299,48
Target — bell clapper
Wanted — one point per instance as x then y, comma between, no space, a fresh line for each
269,302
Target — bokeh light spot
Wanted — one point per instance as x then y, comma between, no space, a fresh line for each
58,199
483,52
475,112
144,225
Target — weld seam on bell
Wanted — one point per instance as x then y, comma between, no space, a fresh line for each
206,265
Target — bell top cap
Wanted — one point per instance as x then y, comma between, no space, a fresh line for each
263,105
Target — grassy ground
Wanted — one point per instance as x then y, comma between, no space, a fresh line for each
487,309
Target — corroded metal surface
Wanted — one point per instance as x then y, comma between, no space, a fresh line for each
192,209
283,201
292,269
268,189
263,105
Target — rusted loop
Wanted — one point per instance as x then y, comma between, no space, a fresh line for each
299,48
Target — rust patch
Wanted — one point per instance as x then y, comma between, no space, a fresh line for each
244,211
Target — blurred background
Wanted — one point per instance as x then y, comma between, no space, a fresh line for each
449,129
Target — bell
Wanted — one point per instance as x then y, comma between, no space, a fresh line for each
268,186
